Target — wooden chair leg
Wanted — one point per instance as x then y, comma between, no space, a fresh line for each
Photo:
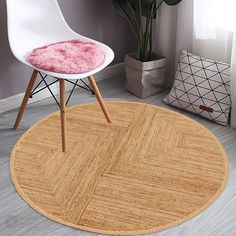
99,98
63,115
26,98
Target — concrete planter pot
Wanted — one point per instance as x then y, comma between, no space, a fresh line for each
144,79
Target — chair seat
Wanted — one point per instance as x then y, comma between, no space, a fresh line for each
68,57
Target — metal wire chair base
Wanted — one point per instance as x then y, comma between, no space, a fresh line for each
48,85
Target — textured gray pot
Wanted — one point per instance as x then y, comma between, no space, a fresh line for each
144,79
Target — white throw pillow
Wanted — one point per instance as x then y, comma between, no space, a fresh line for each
202,86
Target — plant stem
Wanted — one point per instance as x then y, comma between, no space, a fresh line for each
147,52
150,37
134,16
158,6
145,48
131,25
151,28
141,30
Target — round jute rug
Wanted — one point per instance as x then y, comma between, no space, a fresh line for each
149,170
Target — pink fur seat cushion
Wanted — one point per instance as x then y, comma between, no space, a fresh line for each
69,57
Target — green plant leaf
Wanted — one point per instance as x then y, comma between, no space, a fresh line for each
172,2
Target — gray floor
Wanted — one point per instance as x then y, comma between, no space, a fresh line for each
17,218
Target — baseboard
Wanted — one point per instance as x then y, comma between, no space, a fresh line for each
110,71
14,102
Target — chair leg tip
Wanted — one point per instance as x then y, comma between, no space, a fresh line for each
63,149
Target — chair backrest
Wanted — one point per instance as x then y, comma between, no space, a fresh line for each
34,23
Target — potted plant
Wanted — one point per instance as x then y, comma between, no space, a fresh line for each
145,71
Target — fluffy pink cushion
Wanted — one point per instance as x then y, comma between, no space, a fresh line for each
70,57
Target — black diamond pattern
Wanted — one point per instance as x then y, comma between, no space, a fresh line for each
202,86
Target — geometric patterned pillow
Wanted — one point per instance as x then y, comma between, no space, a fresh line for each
201,86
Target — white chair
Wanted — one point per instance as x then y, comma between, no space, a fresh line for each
35,23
